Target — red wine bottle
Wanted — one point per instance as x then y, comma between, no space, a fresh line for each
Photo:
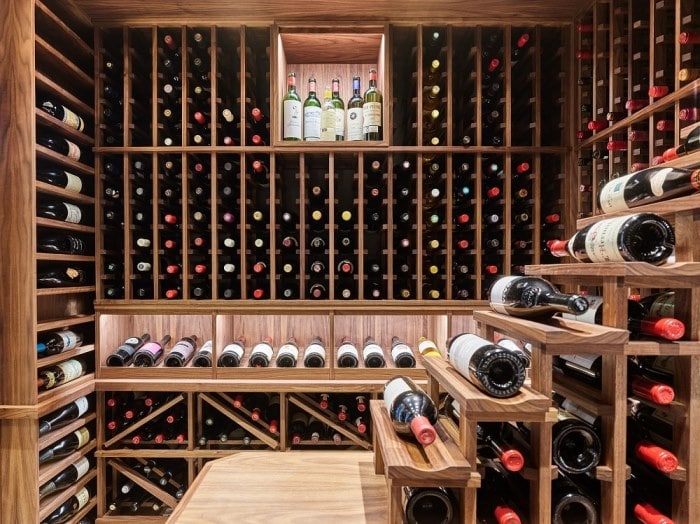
232,354
261,354
288,354
439,503
69,508
61,276
181,352
56,210
150,353
57,342
315,354
203,357
372,354
412,412
63,146
64,415
401,354
66,477
65,446
62,373
65,115
61,178
60,243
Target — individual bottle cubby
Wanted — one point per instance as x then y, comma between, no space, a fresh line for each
199,230
464,230
320,219
493,67
257,215
200,117
228,86
170,83
464,86
288,230
494,231
111,101
405,102
372,263
404,260
226,243
434,189
168,239
349,212
523,87
433,86
257,87
138,93
140,175
619,51
549,125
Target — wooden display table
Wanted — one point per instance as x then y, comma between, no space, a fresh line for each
305,486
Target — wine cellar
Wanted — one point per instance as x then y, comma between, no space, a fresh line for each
219,292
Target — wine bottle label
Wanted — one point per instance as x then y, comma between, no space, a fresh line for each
49,379
347,349
594,303
83,436
288,349
315,349
328,124
82,404
499,292
512,346
183,348
355,124
73,213
206,348
372,349
612,196
73,183
72,369
427,346
69,338
133,341
73,150
312,123
372,116
72,273
602,240
663,306
583,361
151,347
82,467
292,119
463,348
83,497
339,121
393,389
263,348
400,349
234,348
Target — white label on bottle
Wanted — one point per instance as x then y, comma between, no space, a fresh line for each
72,369
264,348
82,404
72,120
601,240
69,338
73,213
206,348
515,348
73,183
355,124
73,150
315,349
426,346
234,348
612,196
339,121
292,119
584,361
288,349
594,303
400,349
83,497
393,389
372,349
347,349
183,348
497,294
83,436
328,124
462,349
82,467
372,116
133,341
656,182
663,306
312,123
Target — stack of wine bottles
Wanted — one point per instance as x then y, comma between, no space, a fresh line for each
168,428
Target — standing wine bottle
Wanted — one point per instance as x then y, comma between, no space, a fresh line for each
641,237
232,354
372,109
56,342
203,358
65,446
401,354
647,186
524,296
63,372
64,415
348,356
355,124
66,478
261,354
327,116
56,210
312,113
339,109
411,410
65,115
150,353
69,508
496,370
61,178
291,111
181,352
288,354
123,354
429,505
315,354
372,354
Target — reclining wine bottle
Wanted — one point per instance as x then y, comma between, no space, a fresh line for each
523,296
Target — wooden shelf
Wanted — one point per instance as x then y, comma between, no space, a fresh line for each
52,26
43,187
60,323
59,224
44,83
47,54
63,258
51,291
54,124
635,274
47,154
52,502
69,392
72,353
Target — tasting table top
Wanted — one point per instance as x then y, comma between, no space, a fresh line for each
291,487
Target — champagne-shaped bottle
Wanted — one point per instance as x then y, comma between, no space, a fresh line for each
524,296
412,412
60,243
496,370
64,415
150,353
232,354
315,354
348,356
291,111
66,477
124,353
57,342
65,446
641,237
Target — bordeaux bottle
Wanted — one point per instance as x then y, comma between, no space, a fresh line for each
261,354
64,415
287,354
372,109
429,505
57,342
61,178
64,114
372,354
181,352
291,111
402,354
348,356
56,210
150,353
532,297
62,276
203,357
63,146
496,370
124,353
641,237
411,410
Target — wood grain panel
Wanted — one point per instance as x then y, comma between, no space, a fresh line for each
20,436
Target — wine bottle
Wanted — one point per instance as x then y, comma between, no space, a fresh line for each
65,446
64,415
355,122
261,354
339,107
412,412
66,371
203,358
569,498
640,494
60,243
61,178
181,352
69,508
348,356
427,348
327,116
297,426
532,297
312,113
402,354
641,237
65,115
372,110
56,342
66,477
496,370
150,353
315,354
429,504
56,210
493,497
372,354
288,354
291,111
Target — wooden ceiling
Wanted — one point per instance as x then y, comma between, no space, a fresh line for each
117,12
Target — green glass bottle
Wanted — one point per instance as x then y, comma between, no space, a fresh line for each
328,116
291,111
312,113
339,110
355,124
372,109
